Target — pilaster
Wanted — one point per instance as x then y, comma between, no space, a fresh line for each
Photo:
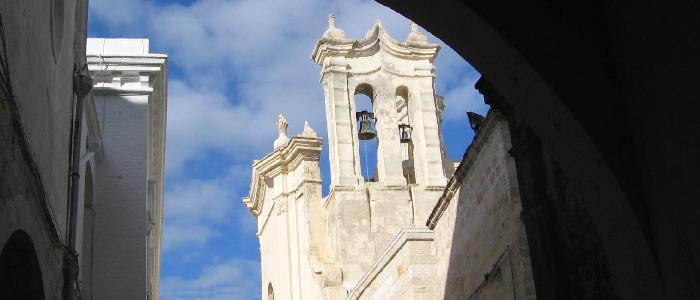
345,168
431,172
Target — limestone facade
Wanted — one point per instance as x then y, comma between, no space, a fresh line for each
408,233
399,80
481,247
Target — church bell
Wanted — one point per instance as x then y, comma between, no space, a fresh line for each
366,131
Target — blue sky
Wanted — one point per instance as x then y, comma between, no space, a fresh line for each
233,67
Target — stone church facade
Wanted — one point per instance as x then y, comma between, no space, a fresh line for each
424,227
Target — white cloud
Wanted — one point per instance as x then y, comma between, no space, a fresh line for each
187,234
234,66
125,15
199,200
244,62
198,210
232,279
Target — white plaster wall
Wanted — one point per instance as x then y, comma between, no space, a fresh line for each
120,249
131,96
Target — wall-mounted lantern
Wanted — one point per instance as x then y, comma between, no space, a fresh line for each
405,133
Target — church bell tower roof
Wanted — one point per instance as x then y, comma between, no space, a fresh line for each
334,43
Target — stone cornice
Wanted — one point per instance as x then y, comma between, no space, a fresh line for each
377,38
469,157
281,161
120,64
371,187
404,236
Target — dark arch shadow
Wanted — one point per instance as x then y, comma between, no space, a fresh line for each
590,81
20,274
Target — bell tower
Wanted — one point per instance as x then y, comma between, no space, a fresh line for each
365,214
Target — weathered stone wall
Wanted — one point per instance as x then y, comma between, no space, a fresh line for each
274,250
43,42
405,270
482,250
41,54
568,261
619,120
478,249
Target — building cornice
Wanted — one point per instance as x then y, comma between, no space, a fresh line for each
376,39
280,161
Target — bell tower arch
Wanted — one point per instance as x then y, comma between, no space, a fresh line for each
399,79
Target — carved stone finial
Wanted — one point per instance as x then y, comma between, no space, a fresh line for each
282,125
331,21
282,140
414,27
332,32
308,131
416,36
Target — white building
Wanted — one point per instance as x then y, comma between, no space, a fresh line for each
124,216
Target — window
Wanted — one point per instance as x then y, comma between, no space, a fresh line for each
270,292
402,111
364,100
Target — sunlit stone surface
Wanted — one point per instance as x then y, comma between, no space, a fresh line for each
391,236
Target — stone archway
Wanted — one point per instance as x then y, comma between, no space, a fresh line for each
20,274
607,89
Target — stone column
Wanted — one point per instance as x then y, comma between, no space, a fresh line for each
429,168
345,169
389,148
